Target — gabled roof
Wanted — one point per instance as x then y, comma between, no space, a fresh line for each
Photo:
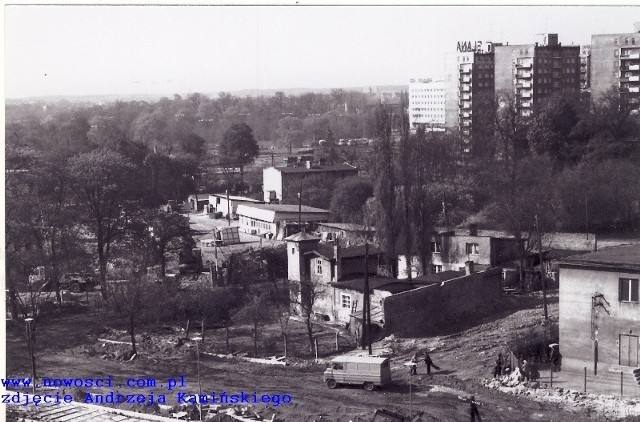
301,237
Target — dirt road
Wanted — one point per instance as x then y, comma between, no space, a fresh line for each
437,396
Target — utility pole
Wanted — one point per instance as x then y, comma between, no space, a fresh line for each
586,212
300,206
228,202
367,298
542,277
29,333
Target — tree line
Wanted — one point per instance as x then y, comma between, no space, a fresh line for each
570,165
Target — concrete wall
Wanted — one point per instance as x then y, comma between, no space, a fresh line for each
436,309
603,71
503,65
570,241
577,286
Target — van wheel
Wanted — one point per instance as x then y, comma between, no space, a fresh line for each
369,386
332,384
75,288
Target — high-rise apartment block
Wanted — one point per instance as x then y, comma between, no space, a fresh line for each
469,81
427,104
615,63
533,73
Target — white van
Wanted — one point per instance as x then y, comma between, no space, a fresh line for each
368,371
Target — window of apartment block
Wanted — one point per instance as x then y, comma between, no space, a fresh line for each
345,299
436,247
628,290
318,266
293,250
472,249
436,269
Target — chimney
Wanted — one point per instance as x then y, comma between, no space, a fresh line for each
468,268
308,163
473,229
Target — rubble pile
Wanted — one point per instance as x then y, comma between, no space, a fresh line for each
221,413
606,406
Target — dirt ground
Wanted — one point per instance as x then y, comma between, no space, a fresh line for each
68,347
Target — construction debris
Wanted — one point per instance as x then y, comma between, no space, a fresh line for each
606,406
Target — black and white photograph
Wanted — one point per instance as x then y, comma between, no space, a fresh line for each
308,212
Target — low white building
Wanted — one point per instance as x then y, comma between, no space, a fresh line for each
218,203
279,183
271,220
427,104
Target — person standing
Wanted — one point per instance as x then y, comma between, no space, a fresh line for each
526,370
473,410
497,370
414,364
429,362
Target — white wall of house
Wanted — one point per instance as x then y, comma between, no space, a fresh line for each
272,181
618,330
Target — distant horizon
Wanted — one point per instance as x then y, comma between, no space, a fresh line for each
111,50
207,93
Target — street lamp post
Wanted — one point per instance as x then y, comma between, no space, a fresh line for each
411,366
197,340
28,322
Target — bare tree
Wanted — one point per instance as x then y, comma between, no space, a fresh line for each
257,310
304,297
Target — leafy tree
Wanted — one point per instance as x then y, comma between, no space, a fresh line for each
551,131
385,187
238,147
349,197
290,132
168,233
600,195
105,184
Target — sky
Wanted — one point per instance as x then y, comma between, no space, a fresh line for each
110,50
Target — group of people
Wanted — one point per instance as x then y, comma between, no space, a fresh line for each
527,370
427,361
